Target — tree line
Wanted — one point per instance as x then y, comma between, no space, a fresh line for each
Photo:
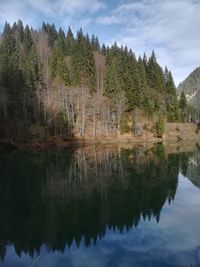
54,83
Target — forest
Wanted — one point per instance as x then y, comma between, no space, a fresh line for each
57,83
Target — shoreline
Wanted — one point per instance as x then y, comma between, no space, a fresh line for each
57,143
174,133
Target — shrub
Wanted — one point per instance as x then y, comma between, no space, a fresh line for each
160,126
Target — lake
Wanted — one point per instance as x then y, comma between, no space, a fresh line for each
100,206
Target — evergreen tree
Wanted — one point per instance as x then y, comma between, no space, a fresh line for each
183,107
142,82
183,101
133,92
171,98
83,64
28,42
95,43
155,74
10,74
144,60
111,86
51,32
20,30
69,42
60,42
160,126
58,65
7,29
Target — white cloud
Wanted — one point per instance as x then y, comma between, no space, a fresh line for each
11,12
66,6
31,11
170,27
106,20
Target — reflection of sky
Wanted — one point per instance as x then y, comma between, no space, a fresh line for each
174,241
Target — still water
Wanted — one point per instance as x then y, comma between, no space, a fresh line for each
97,207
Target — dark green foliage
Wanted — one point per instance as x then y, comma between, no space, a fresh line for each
143,80
83,65
60,41
171,98
183,107
112,86
51,32
122,74
58,65
72,61
160,127
40,199
155,75
69,42
30,63
103,49
95,43
19,71
182,101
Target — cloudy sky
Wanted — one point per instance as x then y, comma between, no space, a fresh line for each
170,27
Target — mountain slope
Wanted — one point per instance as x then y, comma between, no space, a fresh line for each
54,83
191,87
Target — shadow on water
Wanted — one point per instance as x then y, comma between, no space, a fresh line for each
58,197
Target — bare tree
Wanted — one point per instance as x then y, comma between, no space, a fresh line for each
120,105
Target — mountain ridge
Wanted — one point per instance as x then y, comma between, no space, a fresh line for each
191,87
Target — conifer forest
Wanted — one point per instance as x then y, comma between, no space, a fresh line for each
57,83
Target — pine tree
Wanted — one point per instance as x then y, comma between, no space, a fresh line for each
155,74
28,42
20,30
111,85
183,101
83,64
171,98
160,126
10,74
144,84
7,29
95,43
183,107
58,67
133,92
69,42
60,42
51,32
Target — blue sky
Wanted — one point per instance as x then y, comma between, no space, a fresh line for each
170,27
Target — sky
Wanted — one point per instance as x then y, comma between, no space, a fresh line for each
169,27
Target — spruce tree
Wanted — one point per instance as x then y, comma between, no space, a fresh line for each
183,107
103,50
69,42
171,98
155,74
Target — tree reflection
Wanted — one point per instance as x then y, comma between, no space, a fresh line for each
55,198
190,167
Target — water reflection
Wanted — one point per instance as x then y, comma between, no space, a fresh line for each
191,167
56,197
